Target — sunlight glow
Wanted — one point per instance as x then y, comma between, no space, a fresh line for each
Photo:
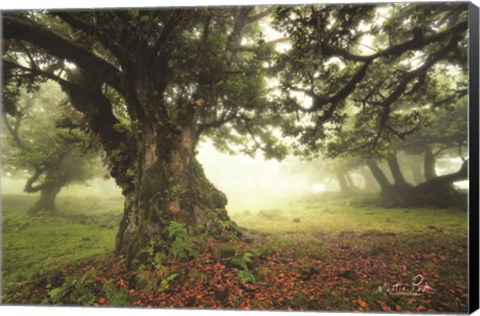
318,187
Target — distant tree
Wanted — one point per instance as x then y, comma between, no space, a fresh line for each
35,147
446,136
365,79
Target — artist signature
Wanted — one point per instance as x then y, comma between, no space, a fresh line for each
417,288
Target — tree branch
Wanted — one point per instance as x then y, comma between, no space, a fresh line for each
259,16
415,43
56,45
174,20
37,72
90,30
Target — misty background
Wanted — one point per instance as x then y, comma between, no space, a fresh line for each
249,183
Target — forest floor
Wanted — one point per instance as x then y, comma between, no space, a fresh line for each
312,254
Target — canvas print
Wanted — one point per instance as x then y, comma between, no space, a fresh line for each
305,157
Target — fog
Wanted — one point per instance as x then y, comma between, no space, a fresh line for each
249,183
255,183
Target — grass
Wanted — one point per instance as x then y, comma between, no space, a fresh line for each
311,253
34,245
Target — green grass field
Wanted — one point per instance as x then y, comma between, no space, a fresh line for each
311,253
32,245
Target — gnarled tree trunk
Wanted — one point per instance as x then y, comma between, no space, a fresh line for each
46,202
170,186
48,188
378,174
399,181
437,192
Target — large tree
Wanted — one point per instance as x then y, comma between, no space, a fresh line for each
152,82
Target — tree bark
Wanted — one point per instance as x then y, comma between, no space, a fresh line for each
429,165
398,179
170,186
378,174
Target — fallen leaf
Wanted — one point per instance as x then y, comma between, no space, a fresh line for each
361,302
102,300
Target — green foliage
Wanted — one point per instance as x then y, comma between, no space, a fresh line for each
225,224
245,276
243,261
244,273
116,296
57,295
72,291
165,282
341,103
182,241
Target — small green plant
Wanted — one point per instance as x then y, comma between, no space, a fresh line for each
158,260
70,292
116,296
243,261
223,224
165,282
244,274
182,244
57,295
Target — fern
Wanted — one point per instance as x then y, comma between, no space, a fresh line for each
243,261
116,296
223,224
245,276
58,294
176,229
182,240
165,282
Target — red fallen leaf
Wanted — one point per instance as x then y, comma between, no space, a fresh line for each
420,308
398,307
122,283
361,302
102,300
